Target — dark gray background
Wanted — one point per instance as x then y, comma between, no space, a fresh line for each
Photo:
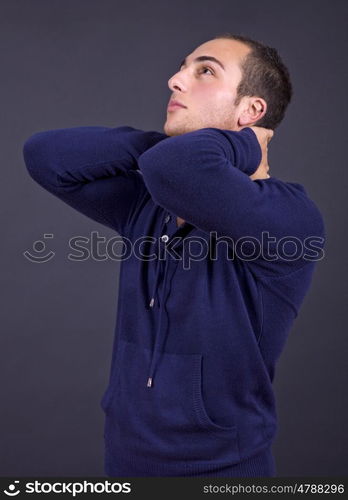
75,63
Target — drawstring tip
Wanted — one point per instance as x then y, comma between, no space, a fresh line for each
149,382
152,301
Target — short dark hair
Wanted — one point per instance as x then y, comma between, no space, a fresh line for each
264,75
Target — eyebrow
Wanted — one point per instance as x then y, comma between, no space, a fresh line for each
204,58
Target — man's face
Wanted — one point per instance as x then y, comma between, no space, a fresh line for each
206,89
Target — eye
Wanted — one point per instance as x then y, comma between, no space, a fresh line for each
209,69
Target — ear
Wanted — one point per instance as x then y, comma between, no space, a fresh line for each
254,109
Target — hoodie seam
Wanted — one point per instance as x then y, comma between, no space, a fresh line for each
279,276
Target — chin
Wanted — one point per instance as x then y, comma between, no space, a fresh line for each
173,130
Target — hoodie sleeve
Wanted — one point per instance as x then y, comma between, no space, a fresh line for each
93,169
203,177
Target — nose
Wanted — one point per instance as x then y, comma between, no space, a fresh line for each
176,82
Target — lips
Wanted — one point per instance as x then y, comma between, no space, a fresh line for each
174,104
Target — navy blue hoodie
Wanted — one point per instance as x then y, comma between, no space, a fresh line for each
205,307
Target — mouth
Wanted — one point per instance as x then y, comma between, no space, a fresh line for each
173,107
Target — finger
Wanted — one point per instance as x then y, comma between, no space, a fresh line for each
269,137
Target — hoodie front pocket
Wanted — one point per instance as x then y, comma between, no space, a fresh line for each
201,413
168,421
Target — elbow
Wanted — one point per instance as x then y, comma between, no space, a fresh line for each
32,152
37,160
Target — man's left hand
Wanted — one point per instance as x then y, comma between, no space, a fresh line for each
264,135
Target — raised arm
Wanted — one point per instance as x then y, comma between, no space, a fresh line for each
93,169
203,177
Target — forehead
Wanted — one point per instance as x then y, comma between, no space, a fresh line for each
229,52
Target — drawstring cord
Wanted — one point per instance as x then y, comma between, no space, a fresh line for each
157,351
158,270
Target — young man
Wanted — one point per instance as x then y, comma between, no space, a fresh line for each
226,256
